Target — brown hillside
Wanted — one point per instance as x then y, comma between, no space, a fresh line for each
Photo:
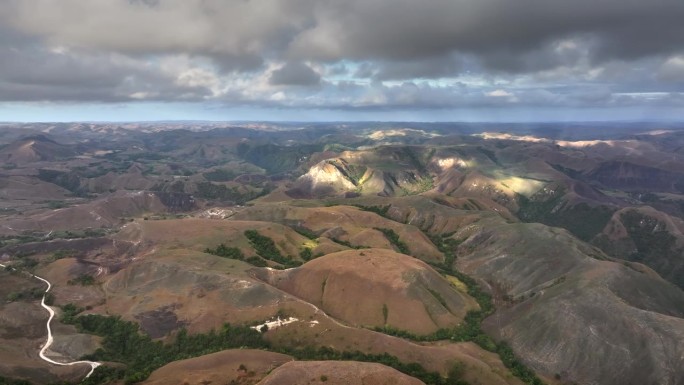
172,289
22,331
34,149
646,235
337,373
362,287
103,212
197,234
220,368
567,307
345,223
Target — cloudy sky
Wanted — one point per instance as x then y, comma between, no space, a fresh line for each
460,60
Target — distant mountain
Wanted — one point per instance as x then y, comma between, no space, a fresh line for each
35,148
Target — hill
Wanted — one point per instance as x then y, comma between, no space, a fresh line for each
243,366
376,288
35,149
338,373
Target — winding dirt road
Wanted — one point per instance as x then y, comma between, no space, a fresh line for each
50,339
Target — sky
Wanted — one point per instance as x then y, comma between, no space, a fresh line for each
318,60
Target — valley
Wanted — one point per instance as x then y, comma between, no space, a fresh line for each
378,253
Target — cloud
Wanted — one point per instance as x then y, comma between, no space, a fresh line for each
33,72
672,69
430,68
409,30
499,93
355,29
344,54
294,74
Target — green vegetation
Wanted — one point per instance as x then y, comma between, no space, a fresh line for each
274,158
490,154
25,295
650,236
35,236
234,253
256,261
220,175
220,192
582,220
394,239
385,313
67,180
421,185
412,369
425,183
122,342
78,234
303,231
83,280
9,381
69,313
226,252
263,245
470,330
355,173
60,254
306,254
438,297
572,173
448,247
380,210
456,372
413,159
54,205
655,245
347,244
266,248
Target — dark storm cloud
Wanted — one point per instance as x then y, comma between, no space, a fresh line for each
354,29
30,72
227,62
523,52
295,74
407,30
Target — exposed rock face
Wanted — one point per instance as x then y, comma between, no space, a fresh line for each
337,373
385,171
325,178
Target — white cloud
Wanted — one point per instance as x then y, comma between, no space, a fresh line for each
672,69
499,94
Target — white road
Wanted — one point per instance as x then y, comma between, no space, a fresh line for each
50,339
